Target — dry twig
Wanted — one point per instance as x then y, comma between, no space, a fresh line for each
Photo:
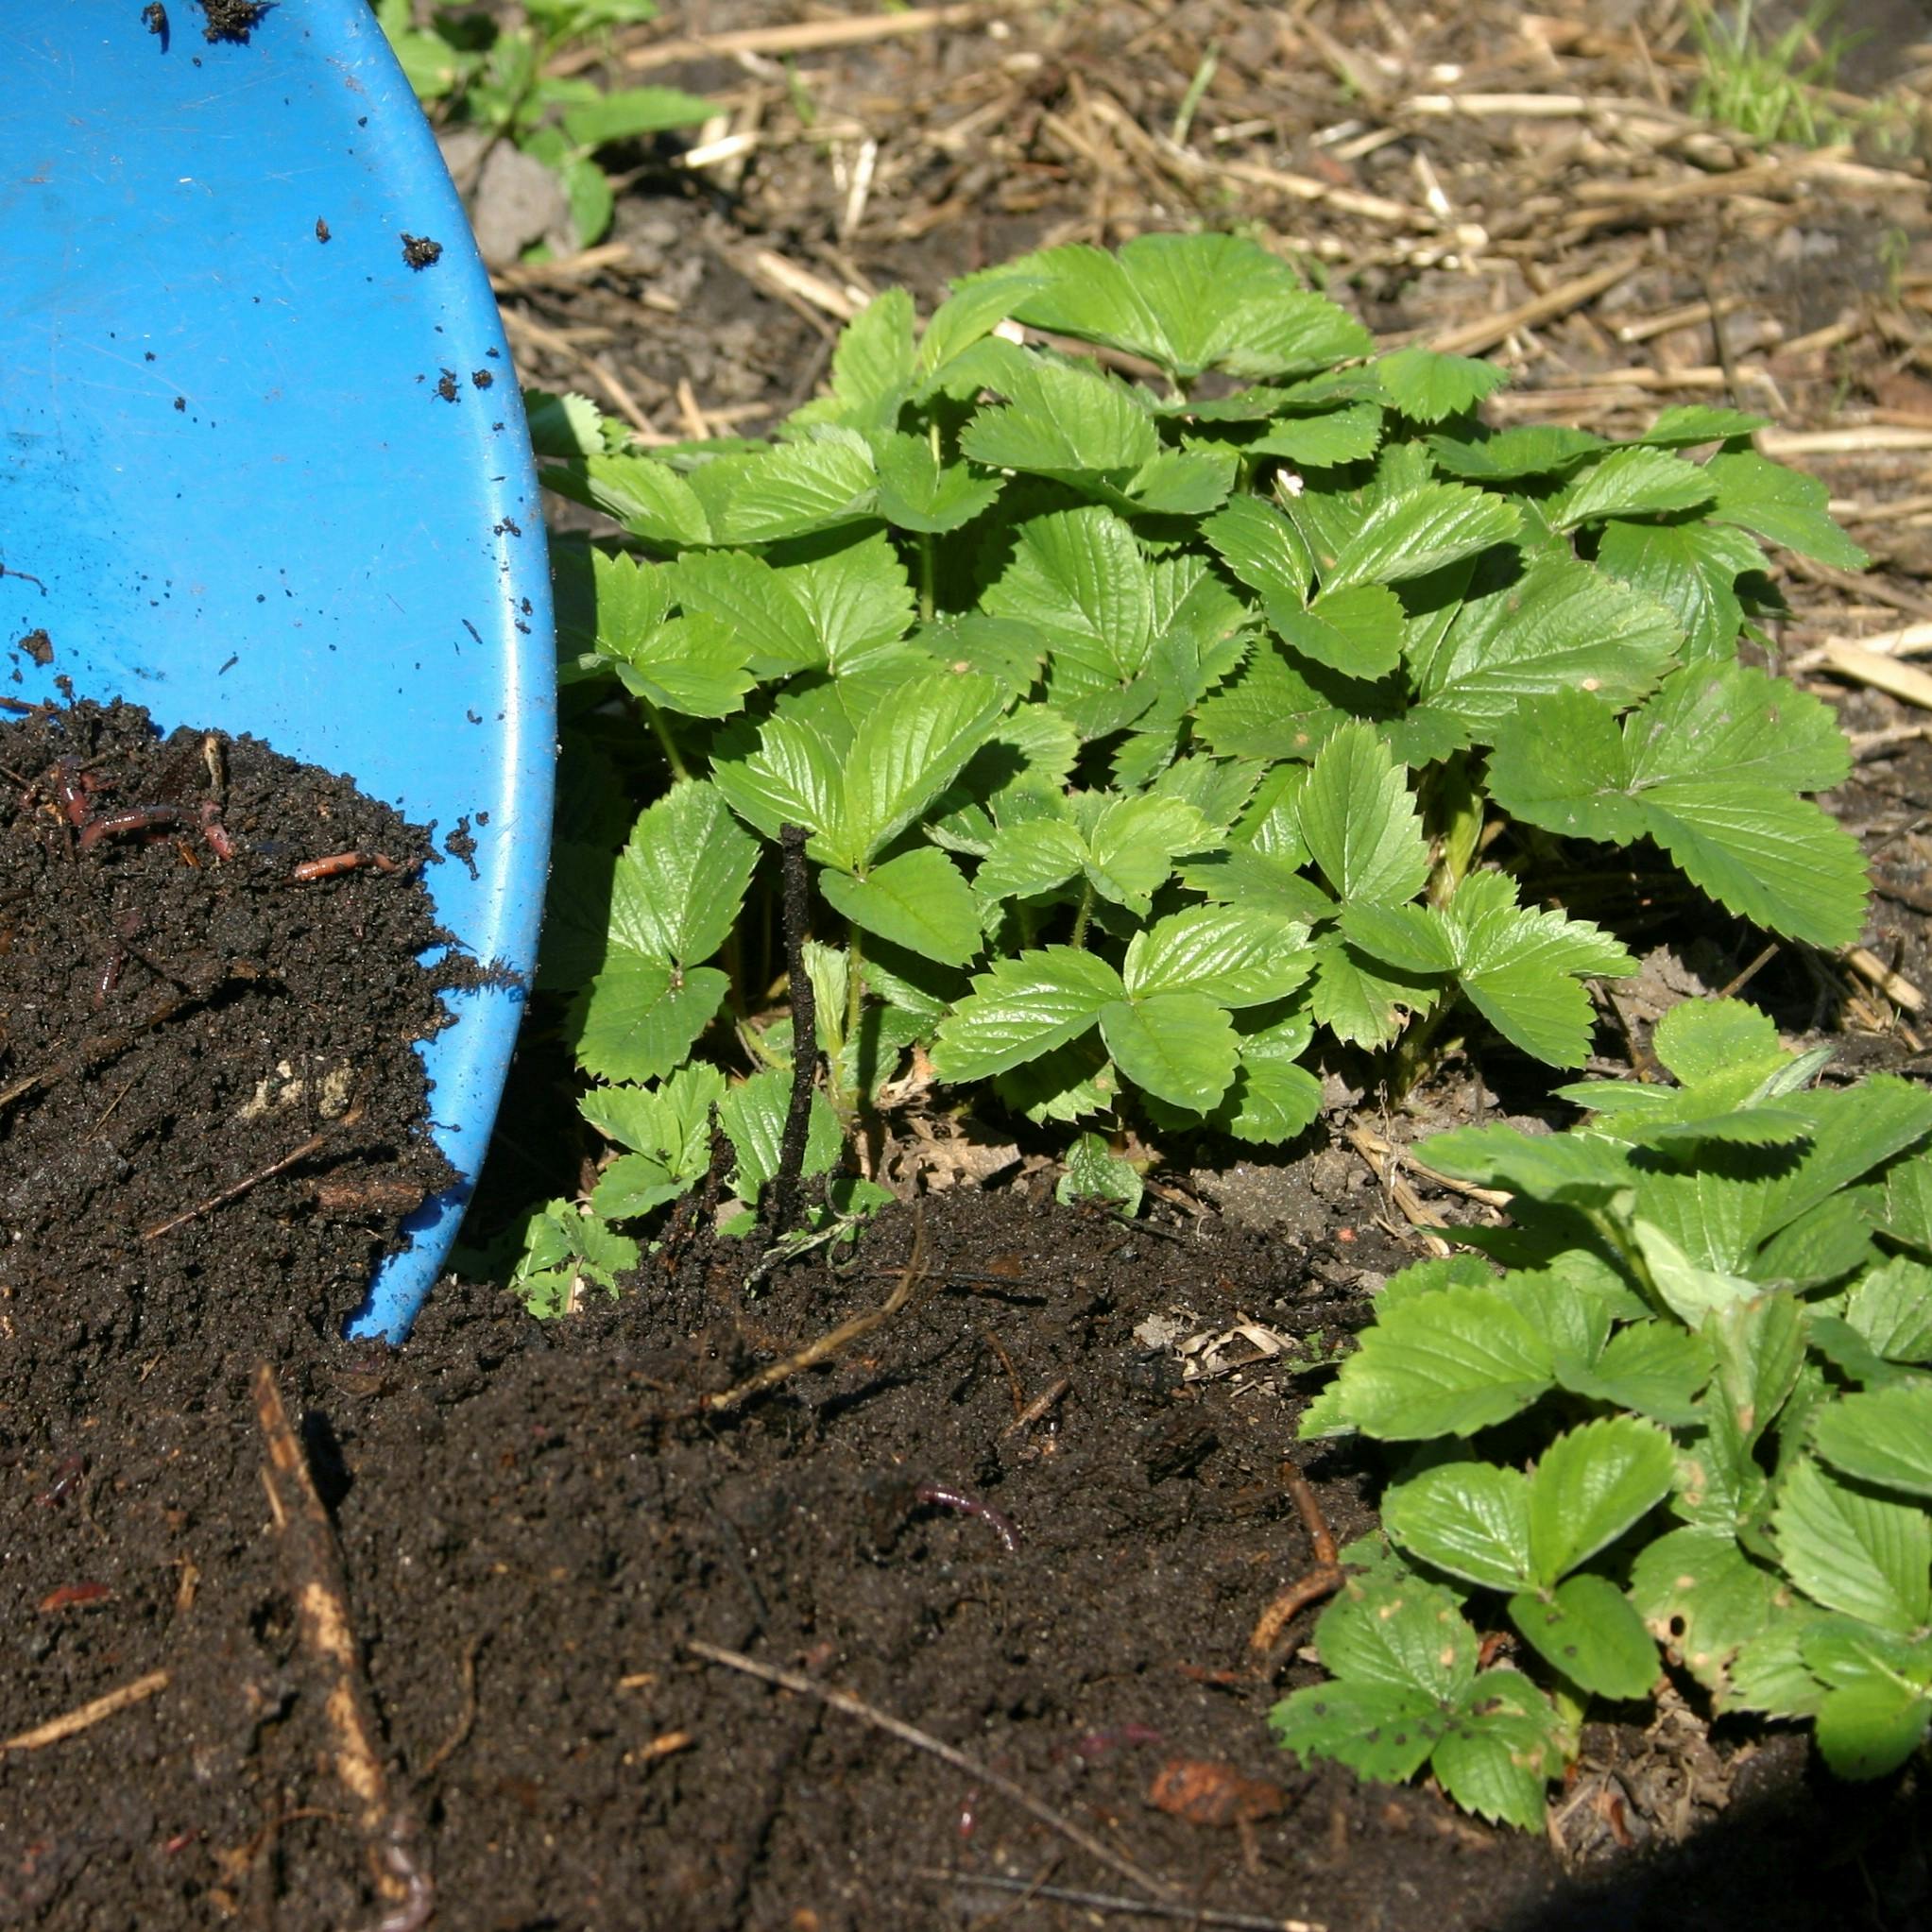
314,1566
979,1774
833,1341
1324,1579
71,1723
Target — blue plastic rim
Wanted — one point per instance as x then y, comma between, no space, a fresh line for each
260,474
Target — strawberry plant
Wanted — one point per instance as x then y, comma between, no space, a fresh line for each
1686,1421
1146,731
481,72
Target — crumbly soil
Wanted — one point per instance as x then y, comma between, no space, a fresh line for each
535,1523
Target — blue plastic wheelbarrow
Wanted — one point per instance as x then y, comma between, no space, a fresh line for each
263,464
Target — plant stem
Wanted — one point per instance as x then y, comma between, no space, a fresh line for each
672,757
1411,1061
926,601
1082,916
780,1202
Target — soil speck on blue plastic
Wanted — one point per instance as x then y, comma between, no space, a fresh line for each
419,251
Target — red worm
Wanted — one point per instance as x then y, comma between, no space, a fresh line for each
138,818
942,1496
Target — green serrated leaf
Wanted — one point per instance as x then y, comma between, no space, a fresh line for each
1498,1761
1095,1174
1782,505
681,878
1591,1485
919,900
917,492
1422,530
1468,1519
1860,1554
1883,1436
753,1115
1021,1008
1428,387
1180,1047
1135,841
1439,1364
1587,1629
1561,626
1704,1599
1235,958
1631,482
1359,822
638,1019
1691,568
625,112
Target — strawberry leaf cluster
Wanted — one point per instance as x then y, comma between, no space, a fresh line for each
1165,680
1679,1413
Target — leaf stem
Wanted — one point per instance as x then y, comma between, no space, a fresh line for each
926,601
672,757
1082,917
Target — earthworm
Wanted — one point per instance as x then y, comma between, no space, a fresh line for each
137,819
419,1901
213,832
942,1496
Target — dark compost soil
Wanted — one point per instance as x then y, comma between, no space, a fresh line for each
535,1526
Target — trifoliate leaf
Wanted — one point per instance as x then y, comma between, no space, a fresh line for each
1274,1097
918,901
1653,1368
1265,550
1359,822
1631,482
1094,1172
1022,1007
1428,387
1864,1555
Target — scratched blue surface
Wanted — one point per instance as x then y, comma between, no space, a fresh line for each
227,474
